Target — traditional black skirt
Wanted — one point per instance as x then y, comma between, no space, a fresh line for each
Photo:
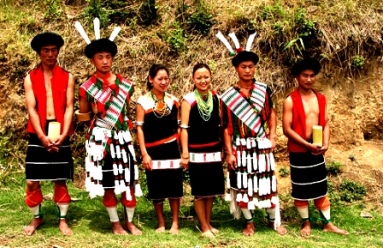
42,165
206,179
308,176
164,183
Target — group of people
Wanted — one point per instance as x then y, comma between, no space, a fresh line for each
198,133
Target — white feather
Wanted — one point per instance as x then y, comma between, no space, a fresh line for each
235,40
81,31
250,41
96,26
222,38
114,34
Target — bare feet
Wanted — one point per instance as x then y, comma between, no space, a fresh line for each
133,229
213,230
31,228
208,234
160,229
64,228
249,229
117,228
329,227
306,228
281,230
174,228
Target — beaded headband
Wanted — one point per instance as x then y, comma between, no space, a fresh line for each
238,48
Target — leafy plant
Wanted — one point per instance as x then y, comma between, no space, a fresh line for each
96,9
351,191
304,26
358,61
284,172
53,9
200,21
148,12
176,37
334,168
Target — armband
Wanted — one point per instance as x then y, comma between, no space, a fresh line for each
81,117
139,123
184,126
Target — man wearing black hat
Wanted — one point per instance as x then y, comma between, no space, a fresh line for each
110,163
305,123
249,122
49,93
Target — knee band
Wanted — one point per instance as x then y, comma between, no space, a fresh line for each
301,204
242,205
109,199
128,203
61,194
322,203
160,201
33,198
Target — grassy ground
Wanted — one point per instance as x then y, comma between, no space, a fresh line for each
89,221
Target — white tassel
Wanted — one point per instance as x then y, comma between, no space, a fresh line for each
239,197
235,40
272,161
250,187
118,151
243,157
245,198
255,161
250,41
117,187
114,34
96,26
250,205
248,144
222,38
261,163
127,136
238,159
120,138
237,142
244,180
120,169
239,180
137,190
228,186
128,194
243,142
255,184
115,169
124,156
127,175
227,197
82,32
268,185
273,183
112,151
131,150
249,167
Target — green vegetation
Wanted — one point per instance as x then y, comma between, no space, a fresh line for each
334,168
351,191
284,172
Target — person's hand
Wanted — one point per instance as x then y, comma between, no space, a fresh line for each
273,143
314,149
59,140
184,162
231,162
147,162
48,144
322,150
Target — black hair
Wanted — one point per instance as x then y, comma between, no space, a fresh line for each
46,39
306,64
100,45
200,66
244,56
153,72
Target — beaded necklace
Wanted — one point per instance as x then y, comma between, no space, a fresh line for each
204,107
160,109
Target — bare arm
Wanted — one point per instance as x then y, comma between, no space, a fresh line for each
33,115
272,123
287,121
146,159
230,156
68,115
185,113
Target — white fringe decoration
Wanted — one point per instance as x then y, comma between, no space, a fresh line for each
137,190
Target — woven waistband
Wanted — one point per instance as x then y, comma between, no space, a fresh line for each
205,157
166,164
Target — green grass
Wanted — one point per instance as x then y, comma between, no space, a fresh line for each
90,223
